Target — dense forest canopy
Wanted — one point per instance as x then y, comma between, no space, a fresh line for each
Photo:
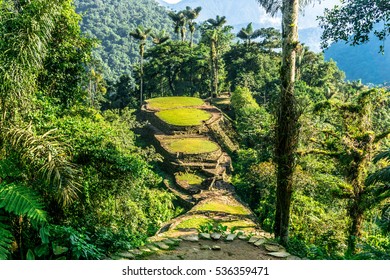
80,178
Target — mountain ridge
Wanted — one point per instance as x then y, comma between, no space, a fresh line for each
358,62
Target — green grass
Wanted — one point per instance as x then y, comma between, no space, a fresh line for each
190,178
163,103
216,206
239,224
190,146
184,116
193,222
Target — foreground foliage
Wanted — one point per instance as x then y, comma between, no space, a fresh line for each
73,183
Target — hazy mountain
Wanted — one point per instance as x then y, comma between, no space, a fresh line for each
358,62
362,62
240,13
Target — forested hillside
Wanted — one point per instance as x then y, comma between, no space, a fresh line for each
111,22
356,62
74,184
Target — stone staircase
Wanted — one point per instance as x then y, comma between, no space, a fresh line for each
218,222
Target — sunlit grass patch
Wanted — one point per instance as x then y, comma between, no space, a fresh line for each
163,103
217,206
190,145
239,224
193,222
184,116
190,178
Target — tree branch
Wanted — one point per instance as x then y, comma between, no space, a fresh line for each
318,152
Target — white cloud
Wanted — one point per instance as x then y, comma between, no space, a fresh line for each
172,1
308,18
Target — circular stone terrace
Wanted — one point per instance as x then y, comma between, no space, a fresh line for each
188,145
165,103
180,112
184,116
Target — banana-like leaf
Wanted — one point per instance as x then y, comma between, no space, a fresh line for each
30,255
42,250
58,250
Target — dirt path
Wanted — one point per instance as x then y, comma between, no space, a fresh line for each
236,250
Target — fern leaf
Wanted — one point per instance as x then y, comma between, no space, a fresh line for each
5,241
21,200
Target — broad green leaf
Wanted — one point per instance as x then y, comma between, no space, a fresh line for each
58,250
42,250
30,255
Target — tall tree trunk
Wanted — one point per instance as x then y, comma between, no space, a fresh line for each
183,34
141,83
214,68
20,232
358,173
192,39
287,127
354,232
171,78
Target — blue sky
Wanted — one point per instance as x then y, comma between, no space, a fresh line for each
308,19
318,6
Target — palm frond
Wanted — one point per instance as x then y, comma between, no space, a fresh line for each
49,158
380,176
6,239
385,155
272,7
192,14
160,38
20,200
374,195
256,34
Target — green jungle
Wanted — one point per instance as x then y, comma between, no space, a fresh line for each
116,116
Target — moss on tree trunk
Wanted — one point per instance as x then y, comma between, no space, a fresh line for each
287,120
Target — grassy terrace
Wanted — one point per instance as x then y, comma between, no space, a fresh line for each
184,116
189,146
194,222
164,103
217,206
190,178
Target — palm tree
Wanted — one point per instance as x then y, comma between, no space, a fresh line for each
179,22
287,126
160,38
271,38
22,54
141,34
191,15
213,31
247,34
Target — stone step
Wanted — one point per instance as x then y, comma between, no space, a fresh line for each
180,193
195,165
